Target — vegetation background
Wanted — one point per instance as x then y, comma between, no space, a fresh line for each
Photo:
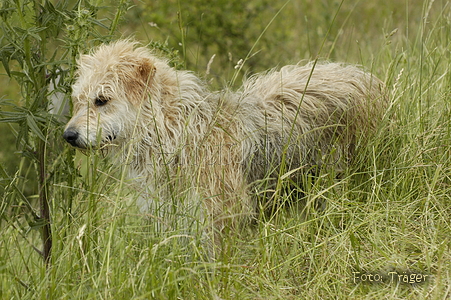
389,213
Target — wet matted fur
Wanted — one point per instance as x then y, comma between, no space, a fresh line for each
196,153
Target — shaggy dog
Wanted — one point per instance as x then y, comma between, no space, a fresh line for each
196,153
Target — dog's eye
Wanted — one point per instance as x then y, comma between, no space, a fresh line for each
101,100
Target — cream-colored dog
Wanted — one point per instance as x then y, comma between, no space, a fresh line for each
196,153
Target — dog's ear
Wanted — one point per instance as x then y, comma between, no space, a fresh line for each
139,84
146,70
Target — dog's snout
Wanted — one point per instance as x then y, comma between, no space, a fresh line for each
71,136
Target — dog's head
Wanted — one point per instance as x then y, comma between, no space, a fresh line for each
107,95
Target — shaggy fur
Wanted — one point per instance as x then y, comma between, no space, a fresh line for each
191,149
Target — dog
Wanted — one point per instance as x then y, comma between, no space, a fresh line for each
204,155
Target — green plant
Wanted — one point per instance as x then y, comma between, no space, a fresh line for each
39,46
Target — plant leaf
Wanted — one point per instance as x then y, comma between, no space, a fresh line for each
34,127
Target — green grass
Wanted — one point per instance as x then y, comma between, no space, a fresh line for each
390,212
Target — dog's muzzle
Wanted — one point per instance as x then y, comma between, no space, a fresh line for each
71,136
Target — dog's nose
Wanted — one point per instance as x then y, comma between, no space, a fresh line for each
71,136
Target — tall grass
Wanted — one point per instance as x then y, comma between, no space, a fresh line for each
389,212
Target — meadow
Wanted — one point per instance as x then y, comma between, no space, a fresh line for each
382,229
